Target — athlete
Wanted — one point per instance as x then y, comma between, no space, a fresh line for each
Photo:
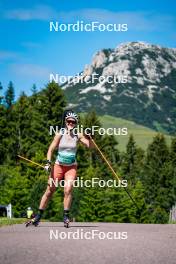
65,167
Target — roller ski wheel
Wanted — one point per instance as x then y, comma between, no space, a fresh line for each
34,222
66,222
28,223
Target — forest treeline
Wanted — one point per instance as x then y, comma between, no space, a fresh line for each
24,130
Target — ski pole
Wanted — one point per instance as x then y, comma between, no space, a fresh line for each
112,170
33,162
105,159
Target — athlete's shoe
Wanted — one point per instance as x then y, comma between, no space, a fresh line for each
34,221
66,221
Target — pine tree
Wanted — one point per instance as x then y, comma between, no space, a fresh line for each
52,103
154,180
93,204
3,125
173,162
132,162
9,141
3,135
10,95
107,144
14,189
173,150
23,124
88,157
34,89
1,97
169,179
91,165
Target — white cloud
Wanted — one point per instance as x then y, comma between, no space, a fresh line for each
6,55
30,70
31,45
39,12
136,20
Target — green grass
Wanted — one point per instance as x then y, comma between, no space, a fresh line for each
7,221
142,135
172,222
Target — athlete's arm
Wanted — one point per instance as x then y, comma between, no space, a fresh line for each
53,146
85,141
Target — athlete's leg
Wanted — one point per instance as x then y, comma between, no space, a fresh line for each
43,203
56,175
46,197
70,176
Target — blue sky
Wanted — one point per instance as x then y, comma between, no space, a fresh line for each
29,52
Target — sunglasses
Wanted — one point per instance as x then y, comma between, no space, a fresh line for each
71,122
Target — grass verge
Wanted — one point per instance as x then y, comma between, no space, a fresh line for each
7,221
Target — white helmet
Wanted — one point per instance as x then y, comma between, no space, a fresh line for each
71,114
29,208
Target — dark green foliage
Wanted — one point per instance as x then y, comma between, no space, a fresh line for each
158,180
34,89
132,162
10,95
1,97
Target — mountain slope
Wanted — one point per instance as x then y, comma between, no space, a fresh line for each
142,135
147,98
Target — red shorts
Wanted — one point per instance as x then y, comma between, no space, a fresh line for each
61,172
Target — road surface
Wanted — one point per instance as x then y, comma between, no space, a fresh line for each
88,243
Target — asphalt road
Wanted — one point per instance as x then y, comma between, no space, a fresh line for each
83,243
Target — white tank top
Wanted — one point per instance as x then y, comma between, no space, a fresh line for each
67,148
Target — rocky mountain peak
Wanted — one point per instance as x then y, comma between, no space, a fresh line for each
150,73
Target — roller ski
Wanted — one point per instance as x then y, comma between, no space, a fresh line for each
34,221
66,221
